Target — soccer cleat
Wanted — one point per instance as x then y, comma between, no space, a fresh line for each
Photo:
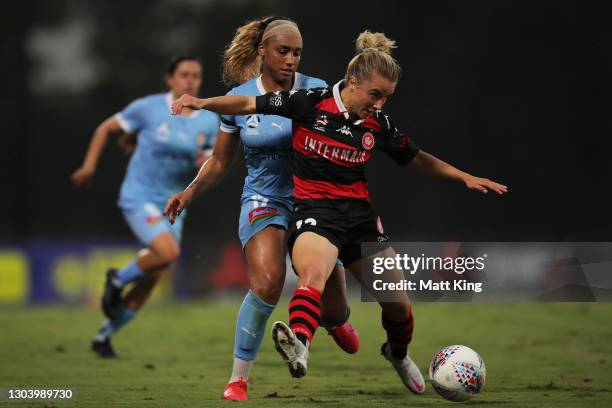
111,298
346,337
235,391
292,350
103,348
407,370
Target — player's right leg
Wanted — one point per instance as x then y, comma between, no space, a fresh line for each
313,257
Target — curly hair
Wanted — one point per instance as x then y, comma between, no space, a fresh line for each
241,61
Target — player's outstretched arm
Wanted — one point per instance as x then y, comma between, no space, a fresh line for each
84,174
429,164
224,105
210,174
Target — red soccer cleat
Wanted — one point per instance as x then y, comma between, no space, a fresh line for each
235,391
346,337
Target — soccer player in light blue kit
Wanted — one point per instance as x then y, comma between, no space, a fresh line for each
168,151
264,56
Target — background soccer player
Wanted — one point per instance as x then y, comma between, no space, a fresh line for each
264,56
335,132
166,152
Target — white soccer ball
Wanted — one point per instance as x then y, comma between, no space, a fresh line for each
457,373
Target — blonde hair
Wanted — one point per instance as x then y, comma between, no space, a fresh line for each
373,55
278,27
241,60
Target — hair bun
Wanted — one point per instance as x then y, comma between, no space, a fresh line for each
376,41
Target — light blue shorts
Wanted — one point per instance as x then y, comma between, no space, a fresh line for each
147,221
258,212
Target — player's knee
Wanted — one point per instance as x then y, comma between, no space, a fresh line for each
269,294
313,275
268,285
166,248
170,253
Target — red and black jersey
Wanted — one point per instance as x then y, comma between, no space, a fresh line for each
332,149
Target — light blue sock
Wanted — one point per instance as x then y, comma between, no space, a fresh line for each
128,274
251,326
112,326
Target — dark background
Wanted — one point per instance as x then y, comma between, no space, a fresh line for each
517,91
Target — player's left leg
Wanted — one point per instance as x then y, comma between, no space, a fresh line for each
162,241
398,323
265,255
335,311
262,234
125,308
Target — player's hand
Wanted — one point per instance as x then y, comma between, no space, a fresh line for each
185,101
176,204
484,185
82,176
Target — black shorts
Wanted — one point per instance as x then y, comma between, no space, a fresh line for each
345,223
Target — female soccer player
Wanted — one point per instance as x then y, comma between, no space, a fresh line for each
264,56
335,132
167,150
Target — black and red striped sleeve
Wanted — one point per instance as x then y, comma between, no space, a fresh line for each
294,104
395,143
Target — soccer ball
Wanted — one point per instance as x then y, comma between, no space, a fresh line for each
457,373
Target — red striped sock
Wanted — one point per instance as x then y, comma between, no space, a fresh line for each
399,333
305,312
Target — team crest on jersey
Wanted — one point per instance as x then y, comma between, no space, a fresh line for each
367,141
162,133
262,212
201,139
252,122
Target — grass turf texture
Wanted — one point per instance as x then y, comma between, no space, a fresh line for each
537,355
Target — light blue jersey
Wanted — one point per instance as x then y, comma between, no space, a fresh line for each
164,159
267,143
163,162
267,196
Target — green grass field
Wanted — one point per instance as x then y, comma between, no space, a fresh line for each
537,355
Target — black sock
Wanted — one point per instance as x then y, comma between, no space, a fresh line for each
301,337
399,334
